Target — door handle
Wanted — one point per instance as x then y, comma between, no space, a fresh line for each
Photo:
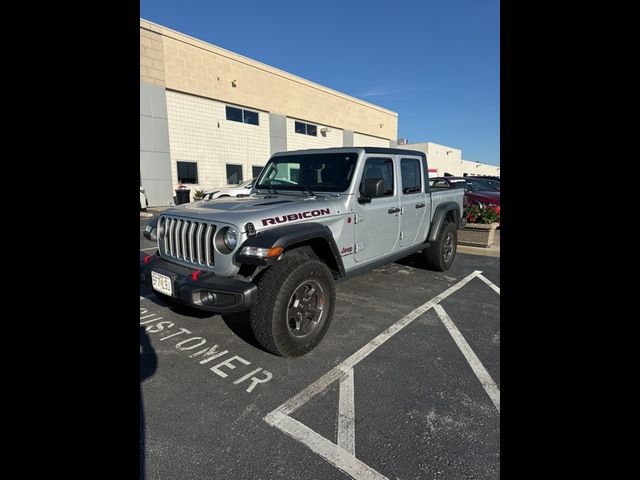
420,205
393,210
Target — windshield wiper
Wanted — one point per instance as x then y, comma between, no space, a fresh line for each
269,187
306,189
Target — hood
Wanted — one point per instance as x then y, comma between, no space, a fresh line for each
485,197
263,211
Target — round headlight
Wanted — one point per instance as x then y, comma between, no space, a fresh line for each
230,238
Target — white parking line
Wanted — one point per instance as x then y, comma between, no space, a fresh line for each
331,452
490,283
343,368
346,415
476,365
150,248
337,454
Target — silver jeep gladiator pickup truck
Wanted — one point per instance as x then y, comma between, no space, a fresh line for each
313,217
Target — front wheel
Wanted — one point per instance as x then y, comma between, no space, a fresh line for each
440,254
294,307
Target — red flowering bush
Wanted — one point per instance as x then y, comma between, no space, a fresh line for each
474,213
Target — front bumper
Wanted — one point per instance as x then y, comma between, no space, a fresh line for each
230,295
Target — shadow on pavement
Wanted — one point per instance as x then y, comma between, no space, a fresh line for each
416,261
148,366
239,324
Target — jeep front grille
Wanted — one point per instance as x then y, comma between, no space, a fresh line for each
186,240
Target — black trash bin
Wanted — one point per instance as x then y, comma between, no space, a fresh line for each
182,196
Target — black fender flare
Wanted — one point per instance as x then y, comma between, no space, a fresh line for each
289,235
439,217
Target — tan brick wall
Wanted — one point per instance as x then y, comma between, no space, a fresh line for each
202,69
151,58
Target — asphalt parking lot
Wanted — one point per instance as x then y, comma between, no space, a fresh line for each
404,386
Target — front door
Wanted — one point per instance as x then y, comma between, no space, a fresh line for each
377,222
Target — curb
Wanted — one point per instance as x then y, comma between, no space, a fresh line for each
482,251
157,209
146,215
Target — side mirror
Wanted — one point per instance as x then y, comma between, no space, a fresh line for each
373,188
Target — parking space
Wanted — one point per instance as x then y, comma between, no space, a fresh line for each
405,384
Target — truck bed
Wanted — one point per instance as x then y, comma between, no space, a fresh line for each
440,196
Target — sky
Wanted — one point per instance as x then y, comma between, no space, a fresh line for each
434,62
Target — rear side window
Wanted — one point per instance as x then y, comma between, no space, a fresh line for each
411,178
379,168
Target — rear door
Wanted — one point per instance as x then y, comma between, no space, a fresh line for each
413,201
377,222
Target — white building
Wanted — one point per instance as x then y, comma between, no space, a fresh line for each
448,160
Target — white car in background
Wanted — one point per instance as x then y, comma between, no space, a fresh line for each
242,189
143,199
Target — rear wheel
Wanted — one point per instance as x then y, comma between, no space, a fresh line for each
294,307
441,253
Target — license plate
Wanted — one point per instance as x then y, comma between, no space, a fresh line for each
161,283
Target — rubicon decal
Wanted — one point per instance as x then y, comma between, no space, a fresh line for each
295,216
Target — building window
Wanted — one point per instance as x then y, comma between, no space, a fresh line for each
411,178
250,117
255,171
306,129
187,172
234,174
243,116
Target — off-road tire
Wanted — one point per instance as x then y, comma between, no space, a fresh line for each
439,255
269,316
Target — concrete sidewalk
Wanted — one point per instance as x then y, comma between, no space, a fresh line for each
492,251
151,211
157,209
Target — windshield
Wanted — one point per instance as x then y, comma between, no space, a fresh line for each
494,183
474,185
318,172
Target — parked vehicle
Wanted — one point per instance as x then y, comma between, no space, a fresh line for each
493,181
477,190
143,200
242,189
314,217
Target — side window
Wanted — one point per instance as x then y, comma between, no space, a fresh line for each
411,178
379,168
